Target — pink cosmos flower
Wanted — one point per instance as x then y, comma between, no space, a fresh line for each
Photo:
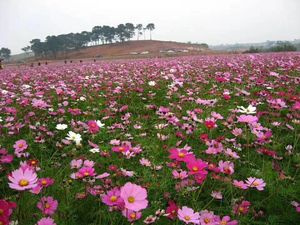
188,215
172,210
122,148
6,208
47,205
23,179
93,127
226,167
196,166
240,184
226,221
180,155
241,208
208,218
134,196
19,147
257,183
46,221
145,162
76,164
231,153
247,119
112,198
131,215
85,172
179,175
214,147
216,195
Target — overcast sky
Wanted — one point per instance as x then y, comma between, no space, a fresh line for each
209,21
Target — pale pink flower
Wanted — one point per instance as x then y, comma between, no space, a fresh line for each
46,221
131,215
179,175
226,167
257,183
47,205
23,179
112,198
134,196
240,184
188,215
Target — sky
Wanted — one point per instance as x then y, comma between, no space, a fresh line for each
204,21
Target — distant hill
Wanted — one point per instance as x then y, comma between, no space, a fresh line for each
245,46
21,57
130,49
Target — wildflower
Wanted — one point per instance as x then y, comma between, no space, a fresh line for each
208,218
188,215
216,195
47,205
172,210
180,154
226,167
240,184
249,110
196,166
247,119
74,137
93,127
46,221
257,183
179,175
226,221
85,172
151,83
61,126
112,198
23,179
241,208
150,219
145,162
131,215
134,196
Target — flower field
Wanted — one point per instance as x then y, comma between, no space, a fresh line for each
209,140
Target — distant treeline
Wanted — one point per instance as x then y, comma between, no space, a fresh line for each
279,46
99,34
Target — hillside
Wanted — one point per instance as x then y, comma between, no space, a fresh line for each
135,49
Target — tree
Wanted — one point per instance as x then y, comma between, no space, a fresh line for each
5,53
26,49
38,47
129,30
139,28
150,27
121,32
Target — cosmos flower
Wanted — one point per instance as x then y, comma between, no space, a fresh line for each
22,179
257,183
61,126
74,137
46,221
131,215
47,205
134,196
188,215
249,110
112,198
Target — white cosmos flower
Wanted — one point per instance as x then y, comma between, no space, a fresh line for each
152,83
100,124
94,150
249,110
72,136
82,98
1,120
61,126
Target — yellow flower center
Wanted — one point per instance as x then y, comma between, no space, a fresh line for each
113,198
20,145
255,183
181,155
47,206
132,215
241,209
121,149
44,182
131,199
223,222
23,182
187,218
195,168
1,212
86,173
1,223
207,220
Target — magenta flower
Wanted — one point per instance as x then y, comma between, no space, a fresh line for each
247,119
113,198
23,179
93,127
257,183
172,210
226,167
208,218
134,196
196,166
47,205
85,172
240,184
226,221
180,155
46,221
241,208
131,215
20,146
188,215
